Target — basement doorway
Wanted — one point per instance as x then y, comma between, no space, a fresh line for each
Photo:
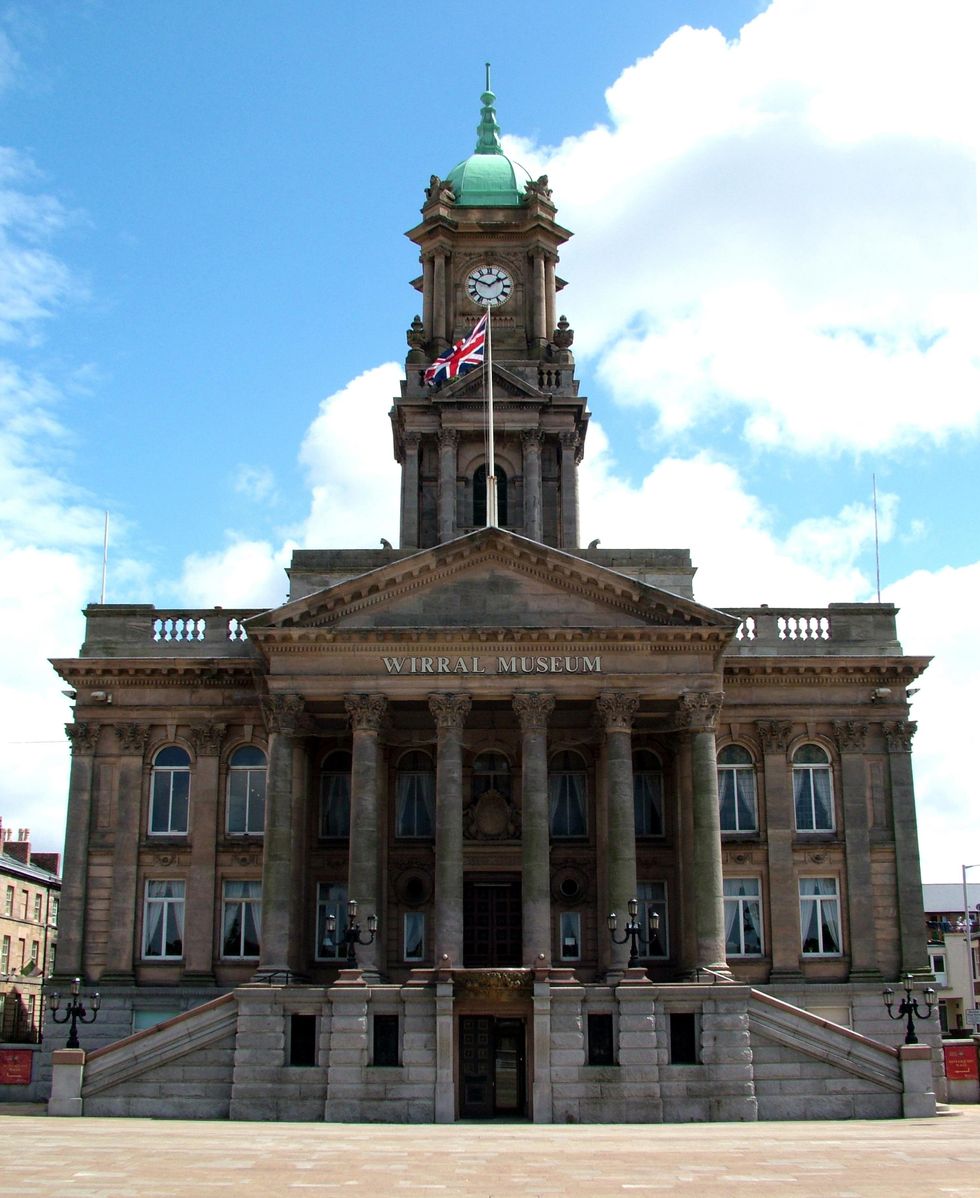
493,1067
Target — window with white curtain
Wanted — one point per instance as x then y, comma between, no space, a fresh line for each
415,788
652,898
163,920
743,917
736,790
331,899
813,792
570,933
414,936
170,786
648,794
820,916
241,924
246,791
335,796
566,796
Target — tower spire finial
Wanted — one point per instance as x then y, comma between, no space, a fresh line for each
488,131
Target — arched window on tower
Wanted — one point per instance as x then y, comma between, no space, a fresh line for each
480,496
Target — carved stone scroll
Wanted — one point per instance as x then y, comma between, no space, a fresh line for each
450,711
82,737
132,737
207,738
285,713
850,735
366,712
898,735
774,735
698,710
617,709
533,709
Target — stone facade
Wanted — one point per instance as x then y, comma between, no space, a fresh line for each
491,738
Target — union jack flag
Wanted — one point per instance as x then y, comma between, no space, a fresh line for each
463,356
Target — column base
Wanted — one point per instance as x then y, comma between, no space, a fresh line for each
198,977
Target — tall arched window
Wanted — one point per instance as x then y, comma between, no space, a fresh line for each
566,796
736,790
246,791
170,788
415,788
813,792
491,771
648,794
335,796
480,496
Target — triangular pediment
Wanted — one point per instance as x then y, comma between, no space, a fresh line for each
506,385
490,579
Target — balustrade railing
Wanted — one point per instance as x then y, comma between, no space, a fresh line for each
141,630
840,628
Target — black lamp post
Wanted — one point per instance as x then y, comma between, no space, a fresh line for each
74,1011
352,933
909,1007
633,932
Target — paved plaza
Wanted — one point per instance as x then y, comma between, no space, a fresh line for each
141,1158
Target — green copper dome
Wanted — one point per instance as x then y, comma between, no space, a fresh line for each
488,178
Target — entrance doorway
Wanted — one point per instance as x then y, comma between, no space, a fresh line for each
492,1067
491,921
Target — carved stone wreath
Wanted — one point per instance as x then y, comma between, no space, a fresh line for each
491,817
488,982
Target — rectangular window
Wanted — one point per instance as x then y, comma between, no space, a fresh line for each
813,798
246,802
163,920
5,955
302,1039
241,923
414,941
570,932
25,897
683,1038
819,917
743,917
36,952
653,900
55,905
8,902
37,908
169,800
601,1047
385,1034
937,963
331,899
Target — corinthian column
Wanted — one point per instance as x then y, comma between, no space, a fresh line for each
367,717
450,712
286,722
410,491
448,438
698,713
531,440
83,739
616,711
206,816
125,852
850,736
570,445
898,737
533,710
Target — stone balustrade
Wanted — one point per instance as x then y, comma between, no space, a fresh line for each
840,629
142,630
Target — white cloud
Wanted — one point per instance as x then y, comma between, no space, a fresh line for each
784,226
256,483
243,574
935,618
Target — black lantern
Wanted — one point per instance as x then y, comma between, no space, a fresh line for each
352,933
75,1011
908,1008
633,932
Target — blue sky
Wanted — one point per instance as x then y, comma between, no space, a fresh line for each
773,283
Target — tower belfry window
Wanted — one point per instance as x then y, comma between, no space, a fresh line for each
480,496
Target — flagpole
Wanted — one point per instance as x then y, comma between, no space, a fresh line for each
491,465
105,555
874,492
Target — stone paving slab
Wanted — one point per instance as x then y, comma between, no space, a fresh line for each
145,1158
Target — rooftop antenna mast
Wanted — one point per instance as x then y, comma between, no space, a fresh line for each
491,464
874,500
105,555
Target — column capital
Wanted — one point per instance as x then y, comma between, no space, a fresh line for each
697,711
207,738
132,737
411,441
617,709
533,709
898,735
774,735
450,711
448,438
850,735
367,712
285,714
570,440
82,738
532,437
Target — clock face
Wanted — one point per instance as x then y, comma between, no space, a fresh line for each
489,286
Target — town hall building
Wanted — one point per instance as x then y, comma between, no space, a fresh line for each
491,823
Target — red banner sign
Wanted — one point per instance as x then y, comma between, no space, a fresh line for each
961,1062
15,1066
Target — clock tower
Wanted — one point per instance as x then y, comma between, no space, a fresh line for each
488,239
